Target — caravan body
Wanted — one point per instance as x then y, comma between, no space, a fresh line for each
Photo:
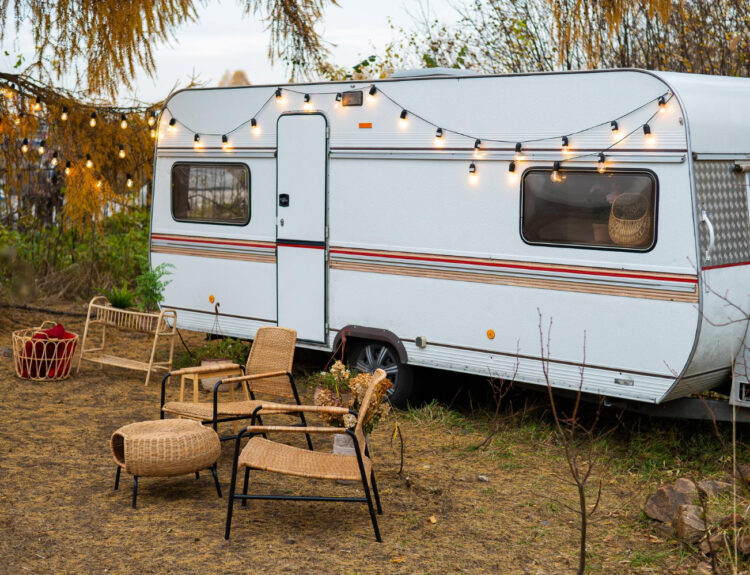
445,220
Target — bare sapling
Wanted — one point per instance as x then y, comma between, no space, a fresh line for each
577,439
500,388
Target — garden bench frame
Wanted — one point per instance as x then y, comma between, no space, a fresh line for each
156,324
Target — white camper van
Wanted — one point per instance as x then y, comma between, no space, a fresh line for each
428,219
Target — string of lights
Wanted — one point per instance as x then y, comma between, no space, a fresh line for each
478,144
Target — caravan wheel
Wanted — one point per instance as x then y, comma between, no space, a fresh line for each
371,355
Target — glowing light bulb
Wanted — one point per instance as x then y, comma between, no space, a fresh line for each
473,175
197,141
404,121
439,140
37,104
67,168
278,95
601,163
99,183
40,149
225,144
17,120
254,127
172,125
337,102
615,127
372,94
152,133
565,145
307,103
54,161
121,152
647,134
519,149
662,104
8,93
151,118
92,121
555,175
89,161
64,114
123,121
512,174
25,145
128,180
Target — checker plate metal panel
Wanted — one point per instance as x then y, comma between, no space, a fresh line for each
722,193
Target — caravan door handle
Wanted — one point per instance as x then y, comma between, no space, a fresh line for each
711,235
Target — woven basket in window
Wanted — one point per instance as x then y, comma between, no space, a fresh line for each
630,220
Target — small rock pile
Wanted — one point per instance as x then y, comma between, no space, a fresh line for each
677,507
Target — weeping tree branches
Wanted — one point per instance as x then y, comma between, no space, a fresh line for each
102,43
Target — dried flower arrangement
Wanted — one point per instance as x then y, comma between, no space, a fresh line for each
343,387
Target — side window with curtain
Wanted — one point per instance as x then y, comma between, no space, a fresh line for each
586,208
211,193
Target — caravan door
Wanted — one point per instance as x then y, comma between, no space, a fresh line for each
301,168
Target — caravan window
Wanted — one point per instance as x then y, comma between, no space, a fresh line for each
585,208
211,193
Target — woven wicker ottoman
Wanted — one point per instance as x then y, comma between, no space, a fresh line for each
165,448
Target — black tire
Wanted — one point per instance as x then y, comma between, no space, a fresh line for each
371,355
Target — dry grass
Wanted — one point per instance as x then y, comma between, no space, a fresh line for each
59,513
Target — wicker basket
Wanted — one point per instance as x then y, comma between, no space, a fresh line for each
41,357
629,231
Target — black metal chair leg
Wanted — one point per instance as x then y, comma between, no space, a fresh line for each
375,492
117,478
244,489
307,435
216,479
135,489
372,509
230,503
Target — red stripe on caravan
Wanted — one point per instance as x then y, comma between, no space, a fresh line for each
308,246
726,266
207,241
519,266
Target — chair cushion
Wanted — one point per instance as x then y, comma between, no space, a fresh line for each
267,455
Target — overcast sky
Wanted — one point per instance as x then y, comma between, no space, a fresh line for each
222,39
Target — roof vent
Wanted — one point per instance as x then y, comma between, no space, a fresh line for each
432,73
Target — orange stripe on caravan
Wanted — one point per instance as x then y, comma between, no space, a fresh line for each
538,283
220,254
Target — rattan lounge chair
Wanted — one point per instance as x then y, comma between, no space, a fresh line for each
268,372
266,455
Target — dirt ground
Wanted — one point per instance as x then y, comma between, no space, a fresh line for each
60,514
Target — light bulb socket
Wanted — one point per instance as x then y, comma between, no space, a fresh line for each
277,93
123,118
172,123
602,158
477,144
556,167
403,114
614,126
512,167
439,133
373,91
41,144
253,123
224,139
306,98
646,130
565,141
25,142
472,168
197,138
519,147
662,101
54,155
338,96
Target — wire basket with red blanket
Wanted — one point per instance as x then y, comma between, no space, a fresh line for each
44,353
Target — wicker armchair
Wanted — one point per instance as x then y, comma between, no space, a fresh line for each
268,372
266,455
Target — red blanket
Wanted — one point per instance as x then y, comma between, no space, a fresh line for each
50,355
